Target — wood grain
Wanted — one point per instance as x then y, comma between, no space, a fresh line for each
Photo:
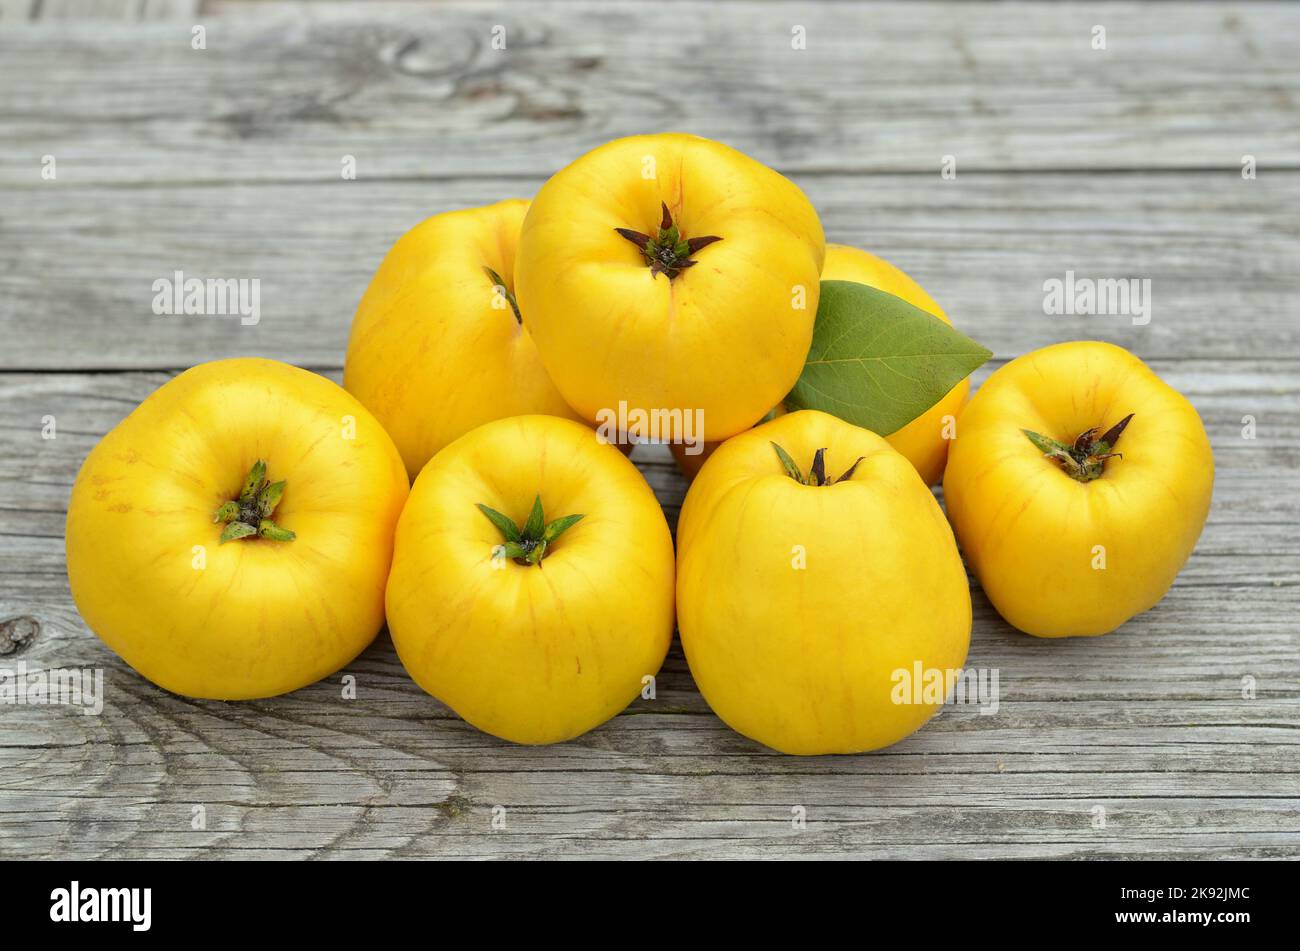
226,163
416,90
79,263
95,11
1150,724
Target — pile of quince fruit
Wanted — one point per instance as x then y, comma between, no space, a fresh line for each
249,528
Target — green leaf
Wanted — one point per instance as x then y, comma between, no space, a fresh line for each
877,361
536,523
557,527
504,525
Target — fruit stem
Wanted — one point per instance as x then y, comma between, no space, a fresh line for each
667,252
527,545
1084,459
250,513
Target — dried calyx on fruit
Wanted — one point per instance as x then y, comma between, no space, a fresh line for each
817,472
1085,460
250,513
667,252
505,293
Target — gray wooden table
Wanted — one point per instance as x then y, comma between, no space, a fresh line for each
1177,736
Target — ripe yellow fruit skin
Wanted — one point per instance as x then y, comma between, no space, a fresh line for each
1031,533
728,336
251,617
922,440
803,659
532,653
434,350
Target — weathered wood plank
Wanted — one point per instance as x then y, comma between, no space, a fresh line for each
12,11
1255,488
220,163
99,10
1150,724
77,265
282,92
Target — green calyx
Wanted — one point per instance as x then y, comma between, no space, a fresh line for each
527,545
667,252
506,294
817,472
250,514
1085,460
